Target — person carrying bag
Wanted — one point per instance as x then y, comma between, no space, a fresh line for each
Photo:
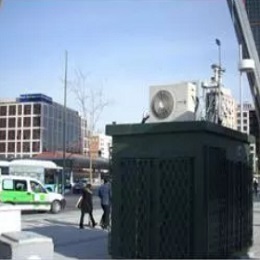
85,203
78,204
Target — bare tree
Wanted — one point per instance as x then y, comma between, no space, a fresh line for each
91,101
91,104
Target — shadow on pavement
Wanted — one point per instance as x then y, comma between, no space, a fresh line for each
71,242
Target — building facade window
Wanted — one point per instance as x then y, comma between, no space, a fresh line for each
11,122
3,110
27,109
20,110
19,134
11,147
50,111
3,122
36,147
11,134
2,147
3,135
18,147
37,109
37,121
36,134
26,147
12,110
27,122
26,134
19,122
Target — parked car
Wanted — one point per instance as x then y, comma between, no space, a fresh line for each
29,194
78,186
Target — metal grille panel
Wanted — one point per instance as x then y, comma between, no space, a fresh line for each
155,207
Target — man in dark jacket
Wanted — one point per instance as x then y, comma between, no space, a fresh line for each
104,194
86,206
255,184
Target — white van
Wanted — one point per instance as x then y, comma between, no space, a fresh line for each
29,194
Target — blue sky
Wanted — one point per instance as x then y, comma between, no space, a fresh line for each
123,46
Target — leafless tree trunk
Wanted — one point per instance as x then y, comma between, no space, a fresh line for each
91,104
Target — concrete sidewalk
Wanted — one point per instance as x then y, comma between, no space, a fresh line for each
254,251
70,242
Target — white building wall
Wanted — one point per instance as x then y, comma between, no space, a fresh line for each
84,137
245,119
104,145
228,109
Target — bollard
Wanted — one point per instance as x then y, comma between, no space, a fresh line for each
25,245
13,215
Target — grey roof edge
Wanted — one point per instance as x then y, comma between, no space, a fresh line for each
176,127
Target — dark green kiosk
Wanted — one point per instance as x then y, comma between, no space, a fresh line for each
180,190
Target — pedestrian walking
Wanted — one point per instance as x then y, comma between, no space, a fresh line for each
86,206
255,184
105,195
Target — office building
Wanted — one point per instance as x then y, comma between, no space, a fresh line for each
248,122
245,16
253,12
33,123
100,146
228,108
85,135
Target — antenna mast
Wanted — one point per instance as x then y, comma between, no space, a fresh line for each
213,91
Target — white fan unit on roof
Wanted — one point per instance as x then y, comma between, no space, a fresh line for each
175,102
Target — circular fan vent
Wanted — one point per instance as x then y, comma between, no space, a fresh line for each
162,104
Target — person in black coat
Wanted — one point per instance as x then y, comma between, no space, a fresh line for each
86,206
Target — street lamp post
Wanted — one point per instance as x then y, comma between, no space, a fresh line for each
90,158
241,88
64,123
219,72
218,42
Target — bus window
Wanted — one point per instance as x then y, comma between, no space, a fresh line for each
4,170
49,176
